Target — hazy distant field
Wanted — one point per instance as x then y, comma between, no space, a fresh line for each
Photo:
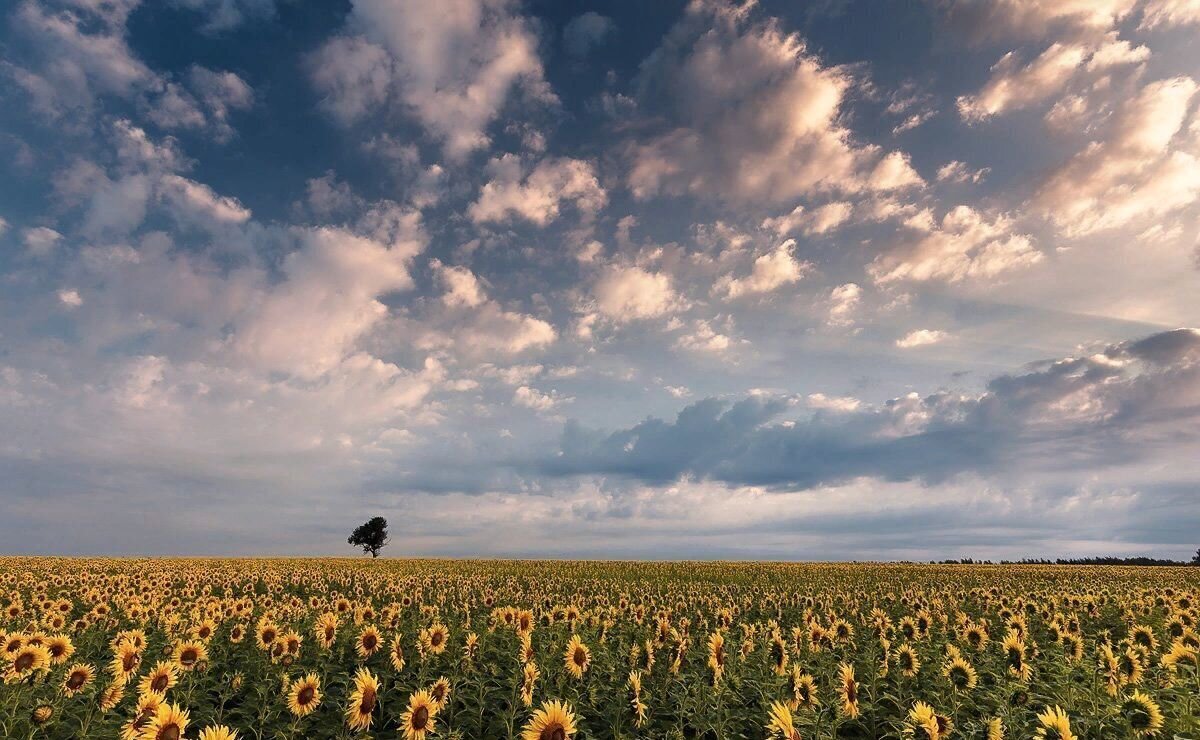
471,649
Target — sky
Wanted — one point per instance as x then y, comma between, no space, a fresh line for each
826,280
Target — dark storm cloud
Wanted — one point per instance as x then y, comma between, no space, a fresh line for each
1111,406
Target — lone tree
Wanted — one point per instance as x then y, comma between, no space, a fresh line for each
371,537
1196,559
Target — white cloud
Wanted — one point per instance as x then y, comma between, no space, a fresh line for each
80,53
832,403
628,293
70,298
770,271
958,172
921,338
354,75
1134,172
40,241
538,195
1170,13
843,301
966,244
309,323
1014,86
819,220
1034,19
755,117
462,287
200,203
703,338
531,398
414,52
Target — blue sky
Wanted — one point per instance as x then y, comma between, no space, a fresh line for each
829,280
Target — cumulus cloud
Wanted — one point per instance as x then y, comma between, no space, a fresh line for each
1014,85
1136,170
1105,408
843,301
531,398
329,297
819,220
537,195
965,244
754,117
462,287
79,53
920,338
770,271
629,293
1033,19
1170,13
40,241
414,53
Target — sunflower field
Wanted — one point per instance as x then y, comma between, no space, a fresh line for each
166,649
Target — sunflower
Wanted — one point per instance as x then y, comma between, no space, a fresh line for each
41,714
995,728
160,679
1109,669
716,655
189,654
975,636
1142,637
780,721
27,660
168,723
60,649
848,690
435,638
526,654
804,690
961,674
634,684
1072,647
1130,666
1180,654
440,691
111,696
363,700
922,722
470,647
1143,714
907,660
79,677
1014,656
1054,725
144,712
218,732
577,657
779,656
325,629
265,634
528,681
304,695
125,662
420,717
368,642
552,721
396,653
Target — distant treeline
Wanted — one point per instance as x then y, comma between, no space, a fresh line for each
1072,561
